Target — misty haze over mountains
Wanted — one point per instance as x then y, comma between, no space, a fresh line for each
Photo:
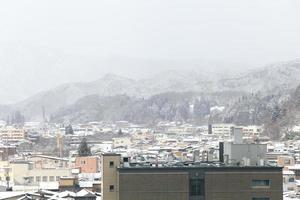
27,70
46,44
245,98
191,61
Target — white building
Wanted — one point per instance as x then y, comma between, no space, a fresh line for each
289,183
222,129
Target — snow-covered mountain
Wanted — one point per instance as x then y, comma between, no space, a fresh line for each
282,76
276,78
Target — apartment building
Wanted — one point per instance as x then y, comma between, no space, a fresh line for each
201,181
121,142
12,135
222,129
252,130
48,162
24,173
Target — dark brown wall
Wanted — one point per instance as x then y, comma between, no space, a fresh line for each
154,186
220,183
237,185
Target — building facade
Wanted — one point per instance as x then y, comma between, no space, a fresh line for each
88,164
12,135
201,182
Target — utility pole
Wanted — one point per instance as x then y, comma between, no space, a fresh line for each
7,178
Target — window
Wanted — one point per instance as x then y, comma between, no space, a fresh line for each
260,183
287,162
45,178
51,178
197,187
297,172
57,178
291,179
111,164
38,179
30,166
111,188
261,198
83,162
30,179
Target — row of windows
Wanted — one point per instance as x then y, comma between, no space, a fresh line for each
197,187
12,131
16,137
43,178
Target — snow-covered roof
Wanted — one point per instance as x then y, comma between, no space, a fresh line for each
288,172
295,167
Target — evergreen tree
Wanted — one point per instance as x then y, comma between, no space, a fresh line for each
69,130
120,132
84,150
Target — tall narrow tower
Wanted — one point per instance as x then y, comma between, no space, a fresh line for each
109,187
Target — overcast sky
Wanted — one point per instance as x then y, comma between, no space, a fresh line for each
45,43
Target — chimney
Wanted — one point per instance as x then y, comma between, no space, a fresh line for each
209,129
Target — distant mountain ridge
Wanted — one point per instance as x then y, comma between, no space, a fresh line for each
210,89
284,75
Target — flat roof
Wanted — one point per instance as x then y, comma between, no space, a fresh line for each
111,154
207,168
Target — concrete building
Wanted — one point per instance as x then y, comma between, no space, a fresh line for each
289,183
12,135
121,142
245,154
252,130
48,162
239,153
110,162
222,129
24,173
202,181
296,170
7,151
285,161
89,164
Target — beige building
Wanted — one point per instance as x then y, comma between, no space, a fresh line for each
201,182
252,130
25,173
12,134
121,142
285,161
110,162
48,162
